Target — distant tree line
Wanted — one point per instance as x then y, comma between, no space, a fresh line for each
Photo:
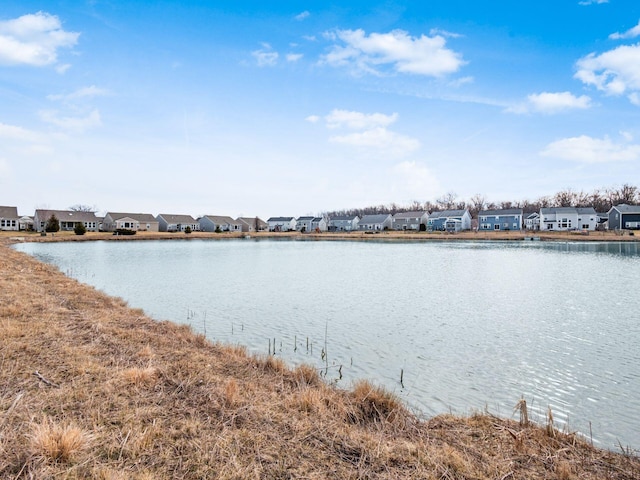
600,199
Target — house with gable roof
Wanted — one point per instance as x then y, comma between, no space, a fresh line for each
532,221
67,219
376,222
177,223
253,224
282,224
502,219
219,223
343,223
568,218
449,220
303,224
138,222
9,219
410,220
319,224
624,217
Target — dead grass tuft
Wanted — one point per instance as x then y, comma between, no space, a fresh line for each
373,404
306,375
58,442
140,376
231,393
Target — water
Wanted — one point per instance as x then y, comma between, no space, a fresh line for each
470,325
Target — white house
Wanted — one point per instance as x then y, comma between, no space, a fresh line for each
139,222
9,219
568,218
376,222
303,224
410,220
532,221
282,224
343,223
319,224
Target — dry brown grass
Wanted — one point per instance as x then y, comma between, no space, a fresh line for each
118,396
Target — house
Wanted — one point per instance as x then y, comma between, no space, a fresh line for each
449,220
303,224
503,219
219,223
376,222
9,219
177,223
343,223
624,217
319,224
67,219
26,223
253,224
142,222
532,221
410,220
568,218
282,224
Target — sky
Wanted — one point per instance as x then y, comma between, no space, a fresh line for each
293,108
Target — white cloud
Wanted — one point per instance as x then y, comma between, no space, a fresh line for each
415,180
550,103
631,33
5,169
614,72
404,54
85,92
77,124
265,57
312,118
302,16
12,132
436,31
294,57
635,98
357,120
592,2
380,139
591,150
34,39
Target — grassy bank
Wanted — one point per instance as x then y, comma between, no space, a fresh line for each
90,388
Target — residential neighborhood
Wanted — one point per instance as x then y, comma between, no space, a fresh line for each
559,219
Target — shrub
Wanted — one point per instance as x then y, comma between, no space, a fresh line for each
79,229
187,229
124,231
218,229
52,225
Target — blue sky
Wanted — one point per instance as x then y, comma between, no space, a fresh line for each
292,108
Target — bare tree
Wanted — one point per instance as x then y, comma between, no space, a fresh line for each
477,203
625,194
447,201
83,208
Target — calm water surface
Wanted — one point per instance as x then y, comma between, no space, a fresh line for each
470,325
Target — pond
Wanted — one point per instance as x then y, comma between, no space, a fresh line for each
447,326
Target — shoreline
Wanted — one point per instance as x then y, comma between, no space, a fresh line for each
156,400
18,237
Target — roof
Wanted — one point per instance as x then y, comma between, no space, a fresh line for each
447,214
219,219
317,219
252,221
533,215
67,215
280,219
9,212
305,219
177,219
343,218
415,214
503,211
580,210
139,217
624,208
375,218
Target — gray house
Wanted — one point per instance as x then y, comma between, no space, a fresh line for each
139,222
67,219
9,219
624,217
503,219
319,224
343,223
376,222
532,221
304,224
410,220
219,223
177,223
449,220
253,224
